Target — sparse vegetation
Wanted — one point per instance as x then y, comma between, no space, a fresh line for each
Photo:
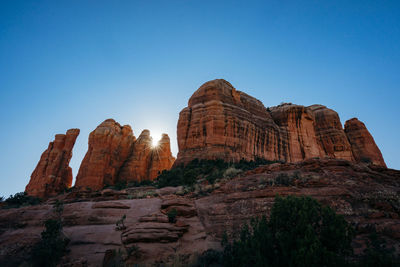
172,215
123,184
21,199
53,245
210,170
121,223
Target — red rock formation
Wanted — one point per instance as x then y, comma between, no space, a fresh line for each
223,123
146,162
52,174
161,158
296,125
115,155
362,143
330,134
110,145
137,165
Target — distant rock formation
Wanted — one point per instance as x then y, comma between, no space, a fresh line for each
146,162
223,123
114,155
362,143
110,145
52,174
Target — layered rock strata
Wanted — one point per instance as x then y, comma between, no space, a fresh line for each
114,156
223,123
53,174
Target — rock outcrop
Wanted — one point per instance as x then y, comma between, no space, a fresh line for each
362,143
114,156
161,158
223,123
366,195
52,174
110,145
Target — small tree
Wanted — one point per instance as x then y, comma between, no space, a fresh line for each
53,245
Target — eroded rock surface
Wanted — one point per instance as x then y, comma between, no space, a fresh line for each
114,156
221,122
362,143
110,144
366,195
53,174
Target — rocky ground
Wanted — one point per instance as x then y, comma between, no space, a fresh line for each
367,195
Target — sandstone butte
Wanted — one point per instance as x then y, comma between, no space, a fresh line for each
114,155
221,122
52,174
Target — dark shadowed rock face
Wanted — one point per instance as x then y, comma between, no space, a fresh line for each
114,156
52,174
146,161
362,143
223,123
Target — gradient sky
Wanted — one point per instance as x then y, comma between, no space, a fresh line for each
73,64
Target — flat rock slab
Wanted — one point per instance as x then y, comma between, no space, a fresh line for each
110,205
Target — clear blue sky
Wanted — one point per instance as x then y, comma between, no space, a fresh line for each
73,64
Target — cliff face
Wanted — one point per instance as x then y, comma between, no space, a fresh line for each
114,155
362,143
223,123
52,174
110,144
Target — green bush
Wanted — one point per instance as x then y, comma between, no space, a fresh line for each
377,254
21,199
209,258
52,246
300,232
211,170
172,215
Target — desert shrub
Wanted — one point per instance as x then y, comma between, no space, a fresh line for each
211,170
52,246
121,223
172,215
300,232
209,258
113,258
139,184
284,179
21,199
377,254
366,160
231,172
